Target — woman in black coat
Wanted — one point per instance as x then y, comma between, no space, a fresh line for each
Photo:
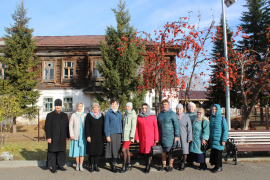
94,133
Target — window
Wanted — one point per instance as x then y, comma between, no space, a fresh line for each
48,71
47,104
153,101
68,70
96,74
2,71
68,104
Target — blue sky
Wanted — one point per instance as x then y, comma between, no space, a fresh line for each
90,17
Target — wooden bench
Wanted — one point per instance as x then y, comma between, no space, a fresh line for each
251,140
246,140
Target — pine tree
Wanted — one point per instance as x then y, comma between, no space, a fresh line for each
122,56
255,21
216,89
19,48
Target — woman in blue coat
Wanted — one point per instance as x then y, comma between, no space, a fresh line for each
168,132
113,133
200,131
218,137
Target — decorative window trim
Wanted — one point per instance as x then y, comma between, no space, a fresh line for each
48,109
63,79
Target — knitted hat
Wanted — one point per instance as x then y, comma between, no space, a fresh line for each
179,106
58,102
130,104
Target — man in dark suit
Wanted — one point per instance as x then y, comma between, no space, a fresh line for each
57,134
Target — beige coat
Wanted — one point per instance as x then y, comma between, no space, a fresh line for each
74,125
129,126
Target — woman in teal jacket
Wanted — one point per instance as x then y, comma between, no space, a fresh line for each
168,126
218,137
200,133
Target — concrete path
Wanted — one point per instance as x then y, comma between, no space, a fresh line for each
244,170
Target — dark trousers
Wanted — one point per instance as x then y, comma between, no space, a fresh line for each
93,159
56,158
216,158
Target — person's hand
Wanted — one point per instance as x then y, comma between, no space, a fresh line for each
203,142
223,143
108,139
189,141
72,138
175,139
138,141
131,138
67,139
156,141
49,141
89,139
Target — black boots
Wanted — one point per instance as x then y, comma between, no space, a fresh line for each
113,167
181,166
202,167
170,168
62,168
128,167
91,168
53,170
147,169
96,168
124,168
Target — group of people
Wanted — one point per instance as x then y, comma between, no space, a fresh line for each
88,132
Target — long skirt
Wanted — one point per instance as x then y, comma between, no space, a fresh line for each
113,148
216,158
75,150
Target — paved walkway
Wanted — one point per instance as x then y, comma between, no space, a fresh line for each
244,170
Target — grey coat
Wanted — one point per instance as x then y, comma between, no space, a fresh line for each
74,125
185,128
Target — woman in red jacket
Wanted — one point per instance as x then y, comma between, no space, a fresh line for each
146,133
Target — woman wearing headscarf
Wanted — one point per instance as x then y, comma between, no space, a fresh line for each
78,141
192,114
218,137
168,133
113,129
94,133
129,127
146,133
185,129
200,131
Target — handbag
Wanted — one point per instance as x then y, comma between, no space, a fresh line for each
156,150
176,150
205,147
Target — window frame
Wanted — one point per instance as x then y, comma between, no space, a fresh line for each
66,67
43,108
95,67
54,71
67,109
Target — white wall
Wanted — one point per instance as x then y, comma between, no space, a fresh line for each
76,94
148,100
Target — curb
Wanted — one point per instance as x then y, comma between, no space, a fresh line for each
42,163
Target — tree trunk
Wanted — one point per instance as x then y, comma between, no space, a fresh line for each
14,126
261,115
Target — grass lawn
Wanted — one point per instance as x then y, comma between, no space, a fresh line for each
29,150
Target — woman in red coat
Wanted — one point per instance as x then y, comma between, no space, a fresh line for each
146,133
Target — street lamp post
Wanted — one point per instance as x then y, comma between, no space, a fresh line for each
228,4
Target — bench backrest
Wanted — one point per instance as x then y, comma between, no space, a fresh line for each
248,137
